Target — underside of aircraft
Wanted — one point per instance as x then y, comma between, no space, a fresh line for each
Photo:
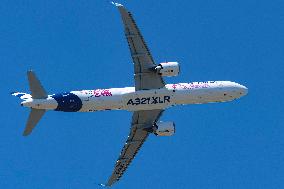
148,99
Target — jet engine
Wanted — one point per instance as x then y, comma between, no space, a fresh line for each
168,69
164,128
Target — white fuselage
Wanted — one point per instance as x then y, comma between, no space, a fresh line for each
129,99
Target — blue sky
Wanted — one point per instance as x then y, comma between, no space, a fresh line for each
80,45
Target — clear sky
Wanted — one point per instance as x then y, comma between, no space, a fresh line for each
74,45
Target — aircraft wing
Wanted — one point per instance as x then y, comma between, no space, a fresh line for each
142,123
145,78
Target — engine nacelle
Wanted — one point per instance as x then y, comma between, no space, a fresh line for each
168,69
164,128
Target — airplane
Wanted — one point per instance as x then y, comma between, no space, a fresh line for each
148,99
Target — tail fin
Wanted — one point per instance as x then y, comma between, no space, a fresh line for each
37,91
34,117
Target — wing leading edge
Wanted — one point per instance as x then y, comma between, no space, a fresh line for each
142,121
145,77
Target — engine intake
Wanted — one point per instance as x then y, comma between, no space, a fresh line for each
164,128
168,69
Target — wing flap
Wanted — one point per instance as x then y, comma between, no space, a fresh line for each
141,120
144,77
137,45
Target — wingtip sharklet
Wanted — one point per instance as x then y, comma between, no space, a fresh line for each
116,4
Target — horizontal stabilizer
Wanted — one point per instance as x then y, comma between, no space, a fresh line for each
34,117
37,91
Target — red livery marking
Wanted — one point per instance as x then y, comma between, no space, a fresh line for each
106,92
102,92
97,93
